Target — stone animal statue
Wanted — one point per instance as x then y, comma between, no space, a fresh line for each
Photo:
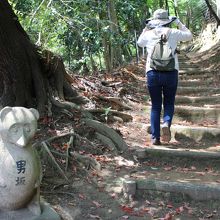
20,173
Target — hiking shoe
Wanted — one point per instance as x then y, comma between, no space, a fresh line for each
166,134
156,141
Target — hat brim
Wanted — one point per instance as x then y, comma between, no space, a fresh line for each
159,22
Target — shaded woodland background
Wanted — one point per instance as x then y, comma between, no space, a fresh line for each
101,35
44,42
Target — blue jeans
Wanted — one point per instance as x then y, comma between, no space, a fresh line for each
162,87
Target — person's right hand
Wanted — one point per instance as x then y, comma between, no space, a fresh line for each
177,21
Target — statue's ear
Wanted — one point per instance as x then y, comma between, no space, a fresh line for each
4,112
35,113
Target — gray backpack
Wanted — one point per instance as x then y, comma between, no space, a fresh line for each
162,58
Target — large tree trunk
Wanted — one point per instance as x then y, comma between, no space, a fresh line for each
25,76
105,40
218,8
213,12
116,52
20,70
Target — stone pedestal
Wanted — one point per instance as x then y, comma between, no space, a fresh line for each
25,214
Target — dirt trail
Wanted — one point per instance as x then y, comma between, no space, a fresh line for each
179,180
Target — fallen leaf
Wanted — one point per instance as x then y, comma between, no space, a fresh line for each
168,216
179,210
161,203
113,195
127,209
201,173
185,169
193,168
209,215
152,211
65,146
125,217
169,206
145,209
190,211
81,196
97,204
147,202
94,216
168,168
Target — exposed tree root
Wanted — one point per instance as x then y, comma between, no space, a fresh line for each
84,160
64,104
69,144
59,83
108,132
54,161
107,142
117,101
87,161
125,117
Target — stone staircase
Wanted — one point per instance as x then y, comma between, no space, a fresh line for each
188,168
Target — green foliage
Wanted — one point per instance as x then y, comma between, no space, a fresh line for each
75,29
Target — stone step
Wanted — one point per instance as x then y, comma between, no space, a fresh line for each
195,77
198,114
193,134
195,82
212,106
189,67
182,174
169,152
202,100
182,90
187,62
193,71
195,115
183,190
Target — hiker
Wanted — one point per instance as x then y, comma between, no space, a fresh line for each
162,81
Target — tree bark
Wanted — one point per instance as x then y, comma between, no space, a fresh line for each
213,12
20,70
26,74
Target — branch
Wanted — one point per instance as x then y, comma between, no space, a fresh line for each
68,152
35,12
54,160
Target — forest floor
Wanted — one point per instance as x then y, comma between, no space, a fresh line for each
93,193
